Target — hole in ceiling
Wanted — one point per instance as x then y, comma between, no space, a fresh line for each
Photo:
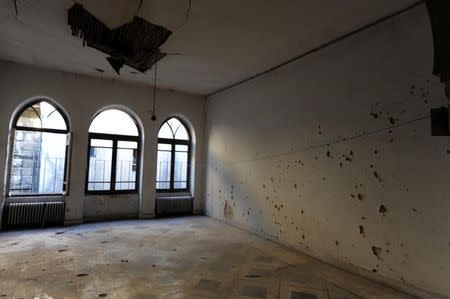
135,44
100,70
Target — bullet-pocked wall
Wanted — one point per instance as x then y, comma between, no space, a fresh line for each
333,154
82,97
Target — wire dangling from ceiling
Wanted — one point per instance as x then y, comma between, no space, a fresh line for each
139,7
154,87
15,8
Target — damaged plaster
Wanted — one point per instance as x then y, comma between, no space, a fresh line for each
355,118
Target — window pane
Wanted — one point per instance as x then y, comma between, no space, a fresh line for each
181,148
180,185
101,143
174,123
181,133
114,122
173,129
127,144
163,169
181,160
100,160
164,147
162,185
42,115
165,132
38,163
30,118
126,169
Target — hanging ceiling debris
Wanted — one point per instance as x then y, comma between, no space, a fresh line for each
135,44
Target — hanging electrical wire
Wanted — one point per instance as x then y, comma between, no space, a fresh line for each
139,7
188,11
154,87
15,7
186,18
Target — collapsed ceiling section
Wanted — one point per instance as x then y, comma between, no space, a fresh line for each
135,44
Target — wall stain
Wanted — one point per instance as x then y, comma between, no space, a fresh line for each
227,211
361,231
382,210
377,176
392,120
377,252
375,115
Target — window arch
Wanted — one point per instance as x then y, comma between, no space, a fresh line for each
39,150
174,157
113,154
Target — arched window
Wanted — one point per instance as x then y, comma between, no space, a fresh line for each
39,151
114,147
174,151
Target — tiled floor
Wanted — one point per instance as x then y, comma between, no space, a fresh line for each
190,257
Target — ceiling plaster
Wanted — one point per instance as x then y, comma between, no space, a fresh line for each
220,43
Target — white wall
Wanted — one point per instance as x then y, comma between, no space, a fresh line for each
269,170
82,97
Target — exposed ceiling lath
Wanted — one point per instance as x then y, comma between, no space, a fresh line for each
135,44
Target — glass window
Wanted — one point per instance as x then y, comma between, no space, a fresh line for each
173,129
114,122
173,156
163,166
127,144
181,163
42,115
39,151
113,153
100,164
126,165
165,132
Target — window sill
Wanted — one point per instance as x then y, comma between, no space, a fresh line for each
108,193
174,195
37,195
35,198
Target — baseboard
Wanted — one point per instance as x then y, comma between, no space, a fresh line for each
147,216
101,218
69,222
390,283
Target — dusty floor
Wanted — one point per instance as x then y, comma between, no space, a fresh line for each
190,257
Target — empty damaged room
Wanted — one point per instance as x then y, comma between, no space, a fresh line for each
286,149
